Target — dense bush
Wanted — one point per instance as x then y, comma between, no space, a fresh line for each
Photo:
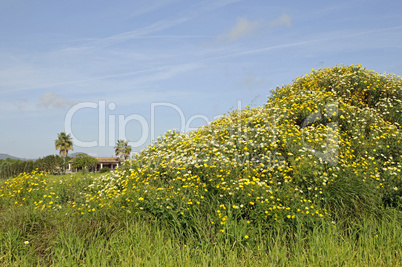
327,146
324,148
51,164
84,162
311,178
11,169
104,170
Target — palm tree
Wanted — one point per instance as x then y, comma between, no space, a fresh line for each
122,149
64,144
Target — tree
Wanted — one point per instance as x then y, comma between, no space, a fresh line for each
51,164
17,167
64,144
84,161
122,149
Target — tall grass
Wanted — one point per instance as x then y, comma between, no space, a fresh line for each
126,240
259,186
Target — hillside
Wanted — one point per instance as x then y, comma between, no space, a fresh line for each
6,156
312,178
327,145
73,155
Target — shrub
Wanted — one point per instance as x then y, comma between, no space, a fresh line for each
325,148
104,170
82,161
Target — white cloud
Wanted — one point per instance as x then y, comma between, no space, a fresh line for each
21,103
252,82
50,99
242,28
329,37
245,27
283,20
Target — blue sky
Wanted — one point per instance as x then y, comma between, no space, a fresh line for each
135,69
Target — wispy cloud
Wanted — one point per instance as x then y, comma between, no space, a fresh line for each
94,58
242,28
21,103
327,37
216,4
126,36
284,20
245,27
139,77
150,7
251,82
50,99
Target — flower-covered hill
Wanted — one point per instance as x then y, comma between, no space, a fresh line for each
329,144
326,147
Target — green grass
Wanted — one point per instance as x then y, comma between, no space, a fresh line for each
124,240
248,189
112,238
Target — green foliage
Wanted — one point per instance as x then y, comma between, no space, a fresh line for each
104,170
112,238
64,144
311,178
82,161
322,148
6,162
16,167
52,164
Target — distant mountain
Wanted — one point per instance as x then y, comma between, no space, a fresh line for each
72,155
6,156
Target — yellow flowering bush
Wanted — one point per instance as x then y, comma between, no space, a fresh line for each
331,140
42,191
326,146
23,188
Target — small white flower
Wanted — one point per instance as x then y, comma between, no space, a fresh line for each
26,242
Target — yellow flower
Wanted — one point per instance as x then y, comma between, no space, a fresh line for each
246,236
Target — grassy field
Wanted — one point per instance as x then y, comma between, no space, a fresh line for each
110,237
313,178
